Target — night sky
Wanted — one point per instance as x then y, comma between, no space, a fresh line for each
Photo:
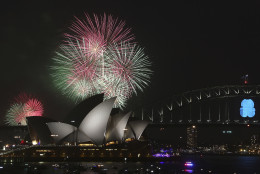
192,45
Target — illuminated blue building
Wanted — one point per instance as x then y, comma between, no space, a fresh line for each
247,108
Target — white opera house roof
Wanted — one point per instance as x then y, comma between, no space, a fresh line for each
98,126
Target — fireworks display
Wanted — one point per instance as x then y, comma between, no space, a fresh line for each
99,57
23,106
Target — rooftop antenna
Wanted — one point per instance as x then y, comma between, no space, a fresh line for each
245,79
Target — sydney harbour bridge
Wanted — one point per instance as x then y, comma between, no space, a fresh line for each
219,104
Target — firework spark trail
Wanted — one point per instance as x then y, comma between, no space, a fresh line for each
107,29
76,73
129,65
24,106
111,88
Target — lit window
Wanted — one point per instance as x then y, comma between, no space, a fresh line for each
54,135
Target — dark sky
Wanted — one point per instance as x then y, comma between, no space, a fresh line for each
192,45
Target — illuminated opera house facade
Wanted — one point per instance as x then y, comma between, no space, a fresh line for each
93,122
93,130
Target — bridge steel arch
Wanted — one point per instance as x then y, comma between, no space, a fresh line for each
201,95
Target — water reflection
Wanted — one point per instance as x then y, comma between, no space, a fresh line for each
205,164
94,167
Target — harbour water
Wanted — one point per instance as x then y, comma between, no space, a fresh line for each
197,164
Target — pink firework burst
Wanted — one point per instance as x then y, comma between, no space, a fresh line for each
97,33
33,107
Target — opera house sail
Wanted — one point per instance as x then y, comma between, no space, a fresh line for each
98,125
116,127
95,123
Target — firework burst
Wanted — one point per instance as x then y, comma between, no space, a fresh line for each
24,106
127,69
76,72
129,65
99,58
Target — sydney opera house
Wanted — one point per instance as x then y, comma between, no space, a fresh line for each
93,129
92,121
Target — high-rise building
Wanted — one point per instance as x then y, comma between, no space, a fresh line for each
254,139
192,137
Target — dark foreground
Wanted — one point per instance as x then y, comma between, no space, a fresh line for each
201,164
